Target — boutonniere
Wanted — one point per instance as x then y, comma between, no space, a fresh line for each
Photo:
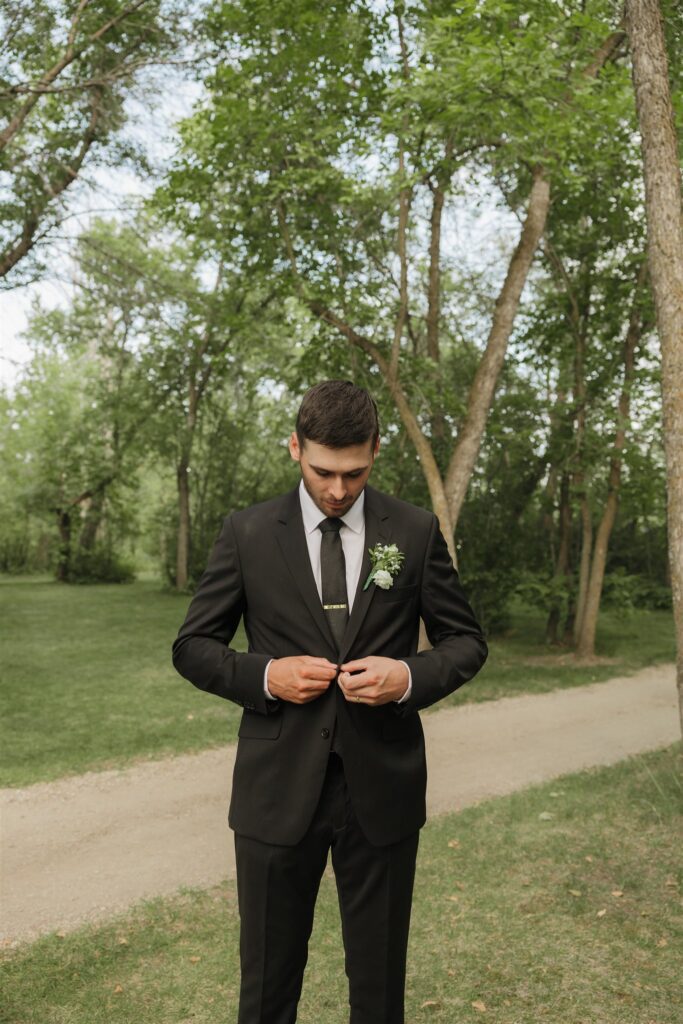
386,562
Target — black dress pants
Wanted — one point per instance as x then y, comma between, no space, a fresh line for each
277,888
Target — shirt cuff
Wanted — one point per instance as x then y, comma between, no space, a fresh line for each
267,692
406,695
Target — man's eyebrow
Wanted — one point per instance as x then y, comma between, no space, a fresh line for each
324,469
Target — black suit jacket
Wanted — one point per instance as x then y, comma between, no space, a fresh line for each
259,568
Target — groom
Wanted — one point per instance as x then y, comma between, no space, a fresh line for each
331,753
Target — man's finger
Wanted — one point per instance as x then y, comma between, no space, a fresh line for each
354,682
318,672
355,666
316,685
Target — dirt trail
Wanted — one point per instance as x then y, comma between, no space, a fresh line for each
83,848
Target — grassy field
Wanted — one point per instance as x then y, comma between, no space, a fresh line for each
561,903
88,682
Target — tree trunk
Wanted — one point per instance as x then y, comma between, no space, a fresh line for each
466,451
665,254
580,316
585,647
183,545
64,562
423,447
563,556
433,318
91,522
584,564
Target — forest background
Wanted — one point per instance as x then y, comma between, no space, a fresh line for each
441,201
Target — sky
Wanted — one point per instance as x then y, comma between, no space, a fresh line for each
475,231
91,196
98,191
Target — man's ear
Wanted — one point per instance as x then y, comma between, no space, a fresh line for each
376,448
294,449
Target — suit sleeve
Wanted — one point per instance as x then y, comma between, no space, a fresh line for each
201,651
458,646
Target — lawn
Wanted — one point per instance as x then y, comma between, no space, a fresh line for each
87,679
560,903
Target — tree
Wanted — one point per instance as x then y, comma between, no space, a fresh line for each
591,590
192,318
75,445
333,140
66,70
663,199
591,306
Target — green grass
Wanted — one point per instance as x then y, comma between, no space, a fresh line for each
88,682
521,916
625,642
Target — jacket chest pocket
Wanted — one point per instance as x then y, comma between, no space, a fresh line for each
394,594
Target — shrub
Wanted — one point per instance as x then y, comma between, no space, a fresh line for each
100,565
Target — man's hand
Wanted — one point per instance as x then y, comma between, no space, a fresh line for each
301,678
376,680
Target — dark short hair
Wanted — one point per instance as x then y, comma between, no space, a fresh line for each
337,414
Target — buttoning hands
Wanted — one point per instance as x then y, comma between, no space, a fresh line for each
301,678
373,680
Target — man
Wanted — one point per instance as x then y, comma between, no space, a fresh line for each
331,750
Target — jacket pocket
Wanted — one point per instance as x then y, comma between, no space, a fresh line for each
259,727
396,593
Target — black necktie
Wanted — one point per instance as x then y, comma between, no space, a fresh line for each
333,577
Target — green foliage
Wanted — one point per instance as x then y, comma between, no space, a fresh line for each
72,435
622,592
66,71
628,593
100,565
489,592
191,335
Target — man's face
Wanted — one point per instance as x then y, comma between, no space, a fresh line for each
334,477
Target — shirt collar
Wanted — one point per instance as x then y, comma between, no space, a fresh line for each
312,516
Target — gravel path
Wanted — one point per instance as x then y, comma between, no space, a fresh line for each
84,848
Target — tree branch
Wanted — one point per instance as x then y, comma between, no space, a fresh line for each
27,239
71,53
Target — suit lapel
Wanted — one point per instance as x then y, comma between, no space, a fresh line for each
377,531
292,540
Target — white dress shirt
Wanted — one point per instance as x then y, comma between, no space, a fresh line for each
352,534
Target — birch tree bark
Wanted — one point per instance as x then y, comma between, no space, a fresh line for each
586,624
665,255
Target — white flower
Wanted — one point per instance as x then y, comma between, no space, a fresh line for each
383,579
386,561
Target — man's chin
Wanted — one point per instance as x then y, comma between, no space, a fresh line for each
330,509
337,510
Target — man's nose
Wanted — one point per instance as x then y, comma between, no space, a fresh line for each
338,490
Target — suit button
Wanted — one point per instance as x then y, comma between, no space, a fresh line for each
325,733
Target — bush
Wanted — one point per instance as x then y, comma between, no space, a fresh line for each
621,591
489,592
538,590
625,591
100,565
